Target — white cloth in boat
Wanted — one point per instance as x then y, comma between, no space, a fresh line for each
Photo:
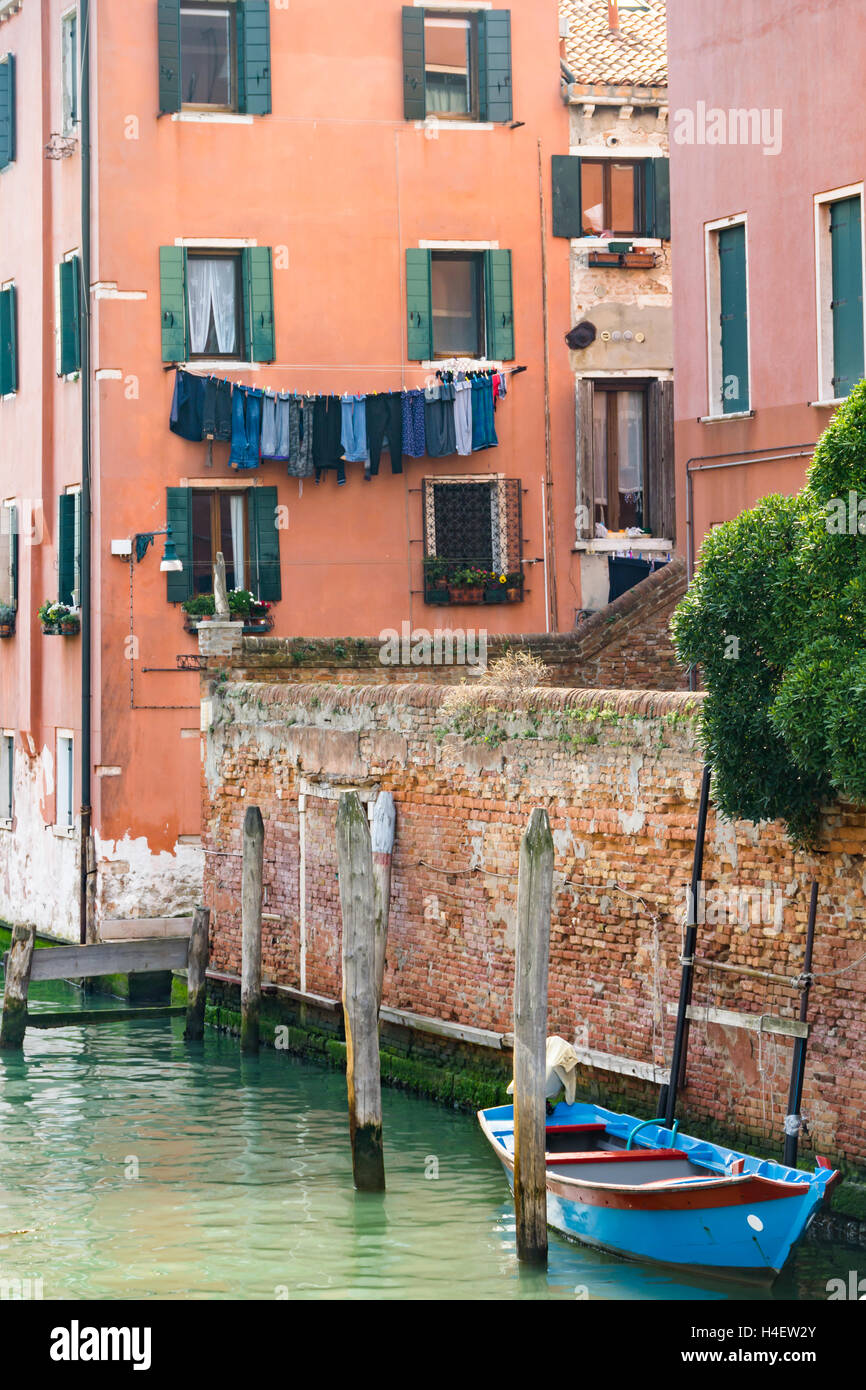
562,1062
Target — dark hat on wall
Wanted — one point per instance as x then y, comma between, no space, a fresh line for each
582,335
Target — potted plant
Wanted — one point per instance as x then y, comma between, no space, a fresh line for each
198,609
7,620
467,585
436,573
639,260
259,617
70,623
49,614
239,603
494,591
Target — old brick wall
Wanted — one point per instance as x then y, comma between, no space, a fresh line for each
627,645
619,773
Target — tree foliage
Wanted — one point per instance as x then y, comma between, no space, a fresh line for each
776,619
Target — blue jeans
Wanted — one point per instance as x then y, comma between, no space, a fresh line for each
246,427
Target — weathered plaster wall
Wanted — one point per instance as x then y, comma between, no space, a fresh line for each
619,773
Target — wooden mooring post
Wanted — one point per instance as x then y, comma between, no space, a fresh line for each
360,993
196,975
13,1023
251,928
534,901
382,825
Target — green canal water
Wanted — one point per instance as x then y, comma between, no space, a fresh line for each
134,1166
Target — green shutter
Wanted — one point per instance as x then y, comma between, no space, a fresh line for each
419,306
658,198
172,288
254,57
258,293
414,76
847,242
178,516
70,340
69,548
567,201
494,65
499,296
13,557
735,319
264,543
7,110
168,24
8,342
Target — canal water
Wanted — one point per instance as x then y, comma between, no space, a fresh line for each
135,1166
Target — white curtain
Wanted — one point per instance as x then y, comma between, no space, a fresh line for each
211,289
237,520
630,418
199,294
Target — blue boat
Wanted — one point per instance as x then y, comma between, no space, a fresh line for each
635,1188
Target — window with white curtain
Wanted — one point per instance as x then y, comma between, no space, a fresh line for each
65,813
619,454
213,299
451,62
220,521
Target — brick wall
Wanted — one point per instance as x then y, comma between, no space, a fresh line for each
627,645
619,773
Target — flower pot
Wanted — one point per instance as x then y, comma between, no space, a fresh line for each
514,595
7,629
438,595
639,260
494,593
70,629
462,593
50,630
604,258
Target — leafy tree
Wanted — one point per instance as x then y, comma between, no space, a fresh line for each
776,619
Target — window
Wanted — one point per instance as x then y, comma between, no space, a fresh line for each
456,64
65,814
69,71
207,56
451,64
245,526
457,283
595,197
217,304
7,776
213,285
9,555
472,522
7,110
219,522
69,548
612,194
728,314
619,422
839,232
67,290
8,340
214,57
459,304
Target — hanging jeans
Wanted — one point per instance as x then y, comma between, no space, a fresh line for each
385,429
439,428
275,426
328,436
354,431
187,405
246,427
300,464
414,438
217,411
483,427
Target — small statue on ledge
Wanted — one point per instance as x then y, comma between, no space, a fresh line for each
222,612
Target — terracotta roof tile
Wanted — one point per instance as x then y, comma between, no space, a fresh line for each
637,54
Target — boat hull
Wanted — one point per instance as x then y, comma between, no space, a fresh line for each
742,1226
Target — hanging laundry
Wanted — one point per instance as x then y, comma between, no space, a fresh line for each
354,431
483,427
300,463
439,427
463,415
187,406
385,429
246,427
414,438
327,437
217,410
276,426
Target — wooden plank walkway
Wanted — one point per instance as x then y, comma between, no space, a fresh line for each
109,958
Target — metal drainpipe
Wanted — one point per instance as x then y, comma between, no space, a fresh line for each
708,464
86,499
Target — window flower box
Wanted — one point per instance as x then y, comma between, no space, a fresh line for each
466,593
639,260
52,615
7,621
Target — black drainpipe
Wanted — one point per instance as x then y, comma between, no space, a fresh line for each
86,500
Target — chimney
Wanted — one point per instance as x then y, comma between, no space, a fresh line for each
613,16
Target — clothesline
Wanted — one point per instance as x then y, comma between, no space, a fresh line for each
342,367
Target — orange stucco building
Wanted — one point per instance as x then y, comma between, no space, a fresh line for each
301,198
